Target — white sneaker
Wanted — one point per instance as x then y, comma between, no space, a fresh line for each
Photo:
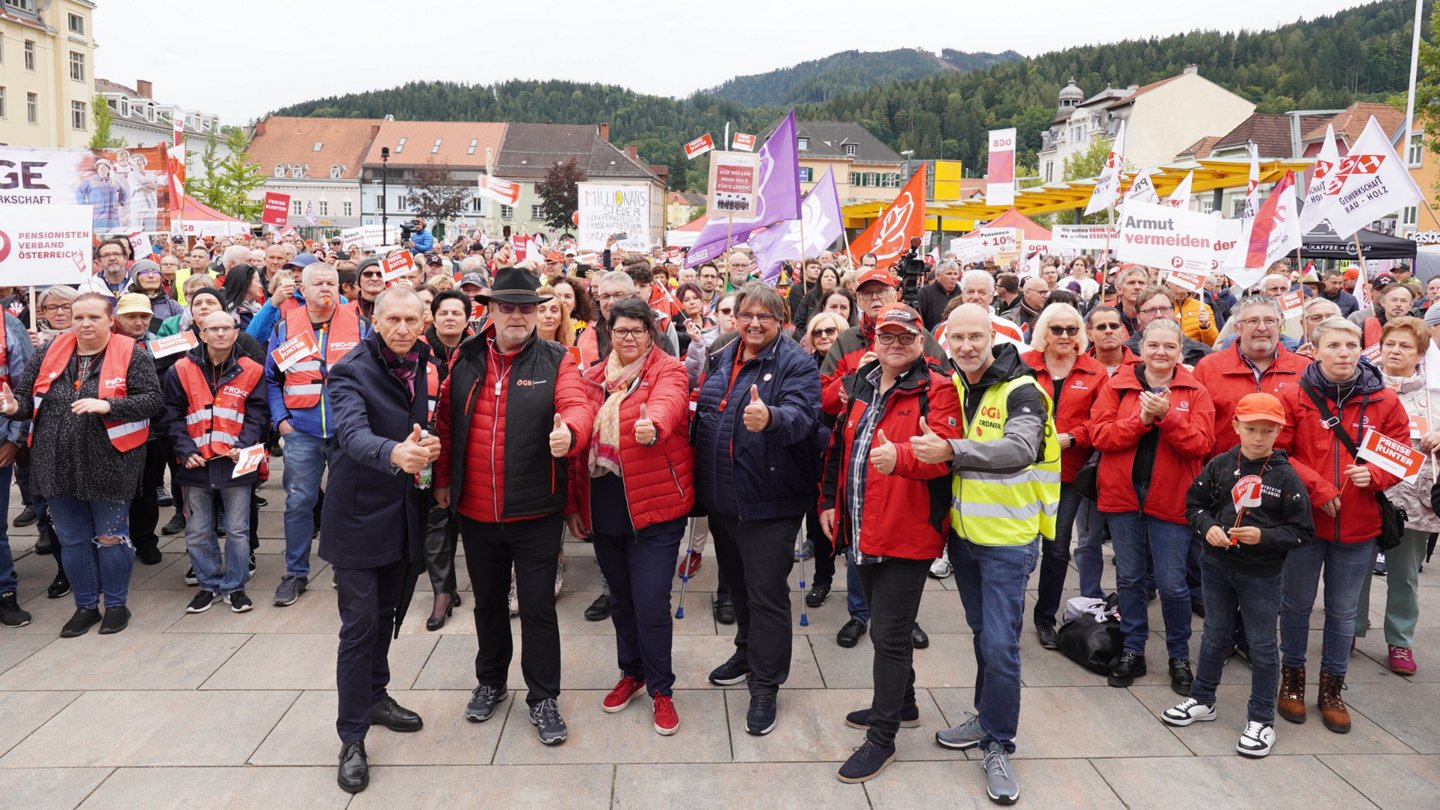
1256,740
941,568
1188,711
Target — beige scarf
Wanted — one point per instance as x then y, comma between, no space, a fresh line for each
619,382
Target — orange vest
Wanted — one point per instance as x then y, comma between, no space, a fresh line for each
305,379
113,370
214,421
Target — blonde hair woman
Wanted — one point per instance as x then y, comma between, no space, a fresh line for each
554,314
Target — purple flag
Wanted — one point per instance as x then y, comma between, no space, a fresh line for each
823,224
779,198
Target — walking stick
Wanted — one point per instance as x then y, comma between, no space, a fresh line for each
685,571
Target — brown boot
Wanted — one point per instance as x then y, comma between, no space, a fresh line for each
1332,709
1291,703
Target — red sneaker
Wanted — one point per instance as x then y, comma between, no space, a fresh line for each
667,722
624,692
690,564
1402,661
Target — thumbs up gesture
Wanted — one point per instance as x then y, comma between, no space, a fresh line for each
8,404
560,438
882,453
757,414
930,448
411,455
644,428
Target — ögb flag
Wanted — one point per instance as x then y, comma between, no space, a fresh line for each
276,210
1142,189
1000,168
178,118
1246,493
501,191
779,198
822,226
1373,183
903,219
1180,197
1320,189
310,213
1275,233
175,165
1107,187
699,146
742,142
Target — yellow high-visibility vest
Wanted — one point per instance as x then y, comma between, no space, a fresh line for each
1006,509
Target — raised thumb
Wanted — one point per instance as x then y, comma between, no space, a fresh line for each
644,414
925,428
415,435
754,393
559,423
880,437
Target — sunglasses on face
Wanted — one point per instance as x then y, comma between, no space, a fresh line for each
1068,331
1105,327
368,274
511,309
828,331
725,310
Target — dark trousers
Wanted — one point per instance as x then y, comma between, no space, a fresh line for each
1055,557
533,547
144,511
892,589
367,598
640,568
441,530
755,557
824,557
1228,594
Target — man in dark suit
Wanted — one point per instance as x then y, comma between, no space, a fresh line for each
373,520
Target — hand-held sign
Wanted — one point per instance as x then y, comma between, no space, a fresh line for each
644,428
757,413
930,448
882,453
560,438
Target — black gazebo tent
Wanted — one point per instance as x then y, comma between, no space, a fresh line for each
1324,243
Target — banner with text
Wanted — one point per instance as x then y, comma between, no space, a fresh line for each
1083,237
734,184
128,189
276,209
608,209
1167,238
44,244
1000,170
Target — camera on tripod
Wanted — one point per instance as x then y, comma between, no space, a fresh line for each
911,269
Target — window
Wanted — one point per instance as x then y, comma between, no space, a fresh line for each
318,146
124,107
854,178
851,149
477,204
380,201
22,5
401,203
872,179
507,212
296,207
806,174
400,147
77,24
2,103
1409,215
535,212
435,150
347,208
1415,153
78,116
30,55
891,180
297,170
324,208
474,142
803,144
279,169
337,171
32,108
77,66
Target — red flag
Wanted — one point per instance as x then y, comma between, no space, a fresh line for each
1276,229
889,236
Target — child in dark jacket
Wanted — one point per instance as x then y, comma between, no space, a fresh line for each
1251,508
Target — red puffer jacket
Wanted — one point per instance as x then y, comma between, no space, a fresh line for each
1187,432
1072,412
1315,446
659,479
1228,377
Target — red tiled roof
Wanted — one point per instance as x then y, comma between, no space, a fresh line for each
1270,132
343,141
1201,148
1350,123
455,138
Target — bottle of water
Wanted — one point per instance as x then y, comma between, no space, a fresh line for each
425,477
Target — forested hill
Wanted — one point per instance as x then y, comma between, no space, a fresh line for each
1328,62
840,74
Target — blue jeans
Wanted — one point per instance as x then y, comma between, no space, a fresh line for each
854,592
640,568
219,570
90,564
1169,545
7,560
1257,599
1055,557
305,459
1345,566
1089,537
992,582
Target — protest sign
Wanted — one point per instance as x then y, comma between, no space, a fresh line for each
295,349
401,262
734,184
1193,282
1396,458
128,189
44,244
366,235
173,344
699,146
743,142
607,209
779,197
276,209
1000,169
1292,304
1083,237
1164,237
249,461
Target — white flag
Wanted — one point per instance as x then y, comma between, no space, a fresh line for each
1275,232
1321,192
1107,186
310,212
1373,183
1180,197
1142,189
1248,209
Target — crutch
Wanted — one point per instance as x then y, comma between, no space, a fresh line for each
685,571
804,618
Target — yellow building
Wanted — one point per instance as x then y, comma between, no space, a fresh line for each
47,66
1421,222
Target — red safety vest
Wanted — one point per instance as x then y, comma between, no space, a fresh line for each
214,420
304,380
113,370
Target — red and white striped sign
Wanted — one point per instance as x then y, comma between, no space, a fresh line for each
699,146
501,191
743,142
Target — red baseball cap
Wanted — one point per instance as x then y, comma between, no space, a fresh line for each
875,274
899,318
1260,407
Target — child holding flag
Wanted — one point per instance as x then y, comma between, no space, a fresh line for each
1251,508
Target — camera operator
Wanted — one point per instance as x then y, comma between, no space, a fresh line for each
421,240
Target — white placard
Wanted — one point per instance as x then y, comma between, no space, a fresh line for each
1168,238
607,209
42,245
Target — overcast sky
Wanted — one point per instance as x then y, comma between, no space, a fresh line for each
241,60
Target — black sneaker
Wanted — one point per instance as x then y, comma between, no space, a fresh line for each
545,717
190,578
760,719
59,586
819,592
80,623
239,602
26,517
116,619
46,543
175,526
291,586
1126,669
860,718
1045,631
599,610
483,700
850,633
252,562
202,602
732,671
866,763
10,613
163,497
1180,676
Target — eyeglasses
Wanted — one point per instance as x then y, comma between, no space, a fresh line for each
873,294
1270,322
218,330
829,331
725,310
368,274
1157,311
55,308
1068,331
510,309
889,338
611,296
629,334
111,254
1105,327
762,318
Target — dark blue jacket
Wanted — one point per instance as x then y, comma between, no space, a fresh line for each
762,475
373,513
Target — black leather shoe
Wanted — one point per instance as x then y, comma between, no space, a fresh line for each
599,610
819,592
1180,676
386,712
26,517
1126,669
850,634
46,543
354,773
918,639
724,612
1047,635
175,525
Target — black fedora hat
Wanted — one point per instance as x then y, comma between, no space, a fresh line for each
513,285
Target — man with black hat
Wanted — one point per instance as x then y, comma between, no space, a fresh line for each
511,410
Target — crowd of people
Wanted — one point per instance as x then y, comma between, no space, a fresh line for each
479,403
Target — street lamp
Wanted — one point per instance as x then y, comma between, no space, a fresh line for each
384,192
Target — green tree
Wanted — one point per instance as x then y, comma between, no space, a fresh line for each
559,196
101,117
228,181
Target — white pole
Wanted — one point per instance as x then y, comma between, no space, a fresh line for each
1414,71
